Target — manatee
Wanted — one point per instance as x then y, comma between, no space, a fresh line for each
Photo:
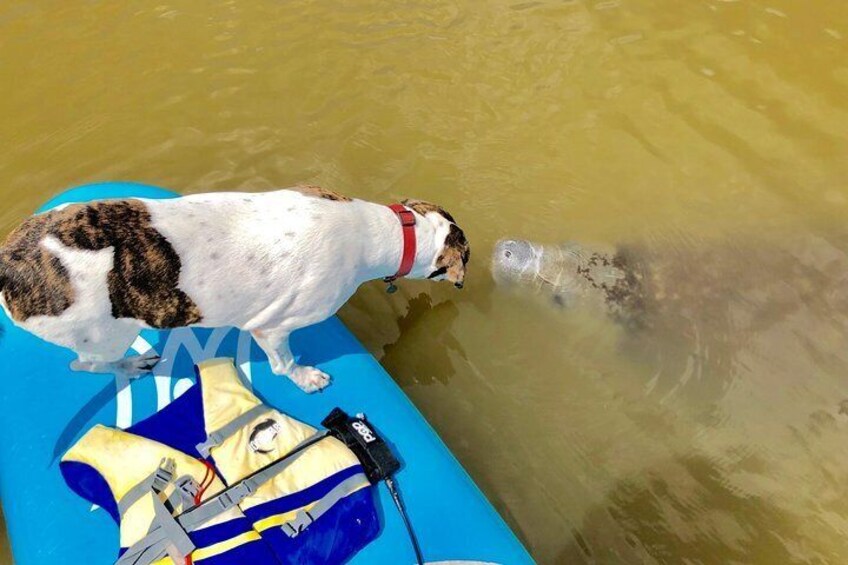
691,309
573,274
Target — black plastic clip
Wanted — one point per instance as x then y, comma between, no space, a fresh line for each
391,288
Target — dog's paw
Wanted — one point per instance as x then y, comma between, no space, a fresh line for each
81,366
309,379
133,366
137,365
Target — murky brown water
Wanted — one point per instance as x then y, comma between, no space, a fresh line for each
713,134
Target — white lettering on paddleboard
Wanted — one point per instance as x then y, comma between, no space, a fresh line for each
181,338
364,431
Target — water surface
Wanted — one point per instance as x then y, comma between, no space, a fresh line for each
708,132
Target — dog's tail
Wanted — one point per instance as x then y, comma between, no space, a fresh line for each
4,277
4,270
8,272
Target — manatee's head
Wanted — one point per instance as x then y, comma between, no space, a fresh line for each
514,260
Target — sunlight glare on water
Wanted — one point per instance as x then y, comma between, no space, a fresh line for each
711,135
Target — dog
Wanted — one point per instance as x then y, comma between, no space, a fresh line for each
90,276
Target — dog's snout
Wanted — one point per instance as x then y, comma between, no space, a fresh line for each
459,285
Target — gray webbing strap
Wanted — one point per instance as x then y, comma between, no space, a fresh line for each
185,489
157,481
155,544
220,435
177,544
303,518
233,495
166,538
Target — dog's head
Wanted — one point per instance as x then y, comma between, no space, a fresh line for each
452,249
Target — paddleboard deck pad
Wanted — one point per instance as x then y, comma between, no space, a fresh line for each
45,407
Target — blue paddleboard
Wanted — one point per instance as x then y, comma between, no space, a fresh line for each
45,407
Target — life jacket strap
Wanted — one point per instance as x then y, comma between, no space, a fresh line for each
185,490
229,429
177,544
166,536
156,481
185,487
234,494
303,518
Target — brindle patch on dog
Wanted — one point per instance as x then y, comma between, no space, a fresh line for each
456,252
33,281
143,282
318,192
455,255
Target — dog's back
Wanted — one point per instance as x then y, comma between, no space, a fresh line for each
242,255
208,259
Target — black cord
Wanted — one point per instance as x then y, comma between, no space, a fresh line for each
402,509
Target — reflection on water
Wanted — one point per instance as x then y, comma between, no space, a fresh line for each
711,135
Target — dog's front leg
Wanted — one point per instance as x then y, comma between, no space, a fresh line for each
275,344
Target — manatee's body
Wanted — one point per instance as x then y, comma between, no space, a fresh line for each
573,274
693,310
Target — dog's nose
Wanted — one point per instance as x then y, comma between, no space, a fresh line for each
458,285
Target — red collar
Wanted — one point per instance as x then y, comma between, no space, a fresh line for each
407,223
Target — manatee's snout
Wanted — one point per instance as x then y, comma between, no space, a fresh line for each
513,258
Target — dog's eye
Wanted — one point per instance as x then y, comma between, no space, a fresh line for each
438,272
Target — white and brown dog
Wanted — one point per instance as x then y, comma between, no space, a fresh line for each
90,276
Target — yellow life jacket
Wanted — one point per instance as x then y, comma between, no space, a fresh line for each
316,509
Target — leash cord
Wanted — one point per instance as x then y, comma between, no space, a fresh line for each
390,483
209,475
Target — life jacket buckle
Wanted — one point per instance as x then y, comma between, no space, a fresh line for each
212,440
188,489
300,522
163,475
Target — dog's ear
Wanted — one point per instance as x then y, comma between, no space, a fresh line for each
424,207
454,256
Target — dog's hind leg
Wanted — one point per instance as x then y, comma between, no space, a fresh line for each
102,349
275,344
132,366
